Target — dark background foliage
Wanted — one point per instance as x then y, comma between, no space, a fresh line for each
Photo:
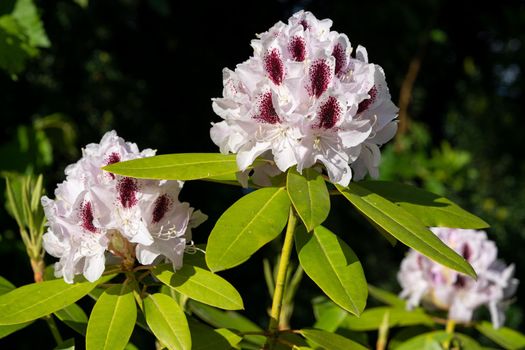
149,69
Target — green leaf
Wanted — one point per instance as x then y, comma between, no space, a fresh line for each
330,318
505,337
5,286
386,297
371,319
73,316
14,46
246,226
35,300
206,338
197,258
112,320
167,321
309,196
334,267
435,340
11,328
429,208
181,166
25,12
405,227
330,341
227,319
68,344
201,285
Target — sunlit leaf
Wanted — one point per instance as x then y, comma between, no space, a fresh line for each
334,267
405,227
167,321
181,166
201,285
35,300
112,320
429,208
309,196
246,226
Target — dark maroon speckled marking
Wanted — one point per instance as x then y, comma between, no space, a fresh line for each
127,192
87,217
274,66
267,113
329,113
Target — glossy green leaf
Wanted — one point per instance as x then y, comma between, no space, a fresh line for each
201,285
334,267
5,286
181,166
429,208
227,319
405,227
73,316
386,297
505,337
206,338
5,330
371,318
435,341
246,226
328,340
309,196
68,344
35,300
167,321
112,320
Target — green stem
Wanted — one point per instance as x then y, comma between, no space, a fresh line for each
451,324
278,294
54,329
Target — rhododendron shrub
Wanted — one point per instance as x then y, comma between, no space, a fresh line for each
303,119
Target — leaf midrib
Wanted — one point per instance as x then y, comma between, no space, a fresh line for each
242,232
166,322
42,301
119,300
170,273
356,309
430,247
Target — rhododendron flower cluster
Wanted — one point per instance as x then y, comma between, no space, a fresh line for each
305,98
98,215
437,286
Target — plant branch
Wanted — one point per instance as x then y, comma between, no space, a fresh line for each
277,301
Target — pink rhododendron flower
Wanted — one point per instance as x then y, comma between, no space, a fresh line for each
437,286
305,99
92,207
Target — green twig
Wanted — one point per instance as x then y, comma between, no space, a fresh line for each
281,277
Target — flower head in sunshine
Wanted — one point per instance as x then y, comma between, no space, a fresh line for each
306,98
96,214
439,287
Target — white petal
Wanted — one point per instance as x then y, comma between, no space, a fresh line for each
94,267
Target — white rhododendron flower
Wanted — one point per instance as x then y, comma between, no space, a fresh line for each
93,209
427,282
304,98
